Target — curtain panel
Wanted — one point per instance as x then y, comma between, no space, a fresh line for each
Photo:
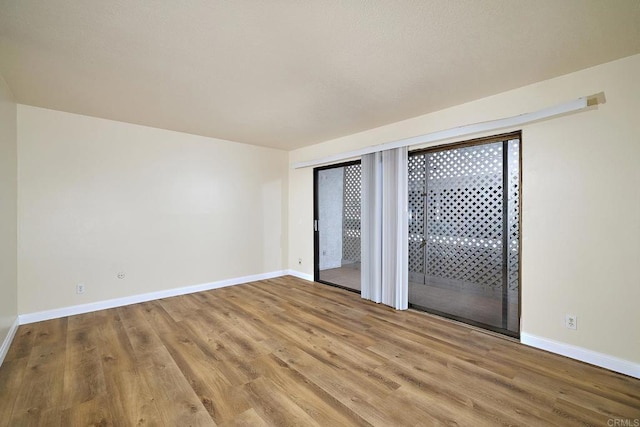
384,228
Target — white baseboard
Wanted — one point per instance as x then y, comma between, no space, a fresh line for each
300,275
579,353
4,348
134,299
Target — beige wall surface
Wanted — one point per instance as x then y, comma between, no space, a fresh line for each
8,209
168,209
580,202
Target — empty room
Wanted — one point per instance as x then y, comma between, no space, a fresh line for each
331,213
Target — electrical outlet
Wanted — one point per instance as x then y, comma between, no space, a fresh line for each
120,275
571,321
80,288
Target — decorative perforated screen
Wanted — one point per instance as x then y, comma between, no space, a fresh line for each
464,211
417,175
513,186
351,216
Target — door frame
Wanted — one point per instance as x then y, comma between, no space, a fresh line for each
316,224
480,141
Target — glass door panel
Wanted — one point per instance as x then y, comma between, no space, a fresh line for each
464,233
337,225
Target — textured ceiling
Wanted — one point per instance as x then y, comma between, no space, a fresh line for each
290,73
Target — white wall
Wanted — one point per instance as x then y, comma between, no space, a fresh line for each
99,197
581,203
8,201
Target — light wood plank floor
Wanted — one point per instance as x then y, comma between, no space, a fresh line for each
289,352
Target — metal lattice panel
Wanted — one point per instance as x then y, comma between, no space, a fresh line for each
513,212
351,214
464,209
417,174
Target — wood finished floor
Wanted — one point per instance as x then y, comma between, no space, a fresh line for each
288,352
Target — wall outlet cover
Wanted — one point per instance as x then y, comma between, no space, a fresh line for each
571,321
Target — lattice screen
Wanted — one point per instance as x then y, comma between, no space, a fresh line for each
463,223
351,215
464,209
513,188
417,175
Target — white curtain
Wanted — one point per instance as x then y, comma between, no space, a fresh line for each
384,226
371,228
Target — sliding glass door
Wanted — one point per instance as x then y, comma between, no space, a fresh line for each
464,232
337,225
